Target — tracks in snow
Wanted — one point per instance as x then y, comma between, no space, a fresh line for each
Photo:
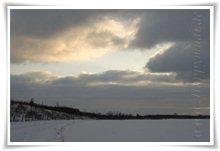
59,132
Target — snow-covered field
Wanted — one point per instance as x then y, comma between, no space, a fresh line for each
171,130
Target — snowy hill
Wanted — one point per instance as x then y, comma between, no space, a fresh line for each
22,111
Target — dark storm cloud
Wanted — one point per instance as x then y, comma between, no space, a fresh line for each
105,97
188,30
161,26
48,22
44,23
189,63
156,26
41,80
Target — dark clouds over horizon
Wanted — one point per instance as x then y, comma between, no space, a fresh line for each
109,91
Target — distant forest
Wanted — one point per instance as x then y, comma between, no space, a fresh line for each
26,111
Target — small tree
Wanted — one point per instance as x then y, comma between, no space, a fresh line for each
31,104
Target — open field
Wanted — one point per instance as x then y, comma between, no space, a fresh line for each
172,130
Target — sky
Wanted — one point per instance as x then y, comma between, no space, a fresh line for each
154,61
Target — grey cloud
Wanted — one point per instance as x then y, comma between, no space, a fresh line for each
67,35
184,59
161,26
103,98
47,22
189,30
119,77
107,76
32,77
44,23
156,26
126,77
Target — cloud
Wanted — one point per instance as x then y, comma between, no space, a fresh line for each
188,31
126,77
116,77
65,36
151,98
77,35
46,23
162,26
81,43
156,26
36,77
188,62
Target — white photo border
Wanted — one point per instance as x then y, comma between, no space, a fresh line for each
211,8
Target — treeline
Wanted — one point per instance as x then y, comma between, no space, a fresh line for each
74,112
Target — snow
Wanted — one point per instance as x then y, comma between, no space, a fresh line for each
172,130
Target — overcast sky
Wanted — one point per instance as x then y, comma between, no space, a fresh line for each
131,61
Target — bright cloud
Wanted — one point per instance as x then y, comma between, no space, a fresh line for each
75,44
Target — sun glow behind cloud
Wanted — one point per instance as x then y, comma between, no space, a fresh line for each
77,43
